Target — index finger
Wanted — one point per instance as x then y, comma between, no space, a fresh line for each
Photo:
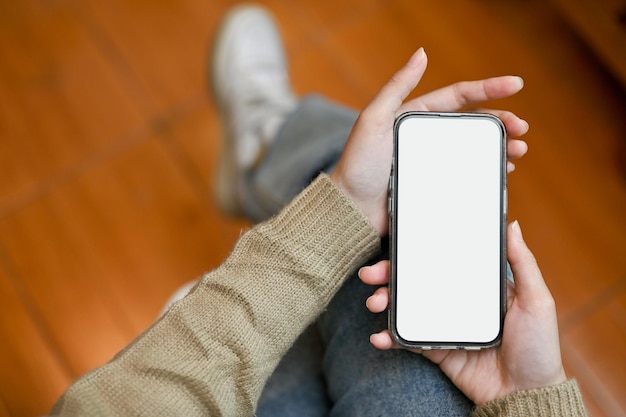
461,94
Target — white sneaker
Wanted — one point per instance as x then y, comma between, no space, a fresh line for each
252,88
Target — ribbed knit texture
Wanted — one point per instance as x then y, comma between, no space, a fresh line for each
564,400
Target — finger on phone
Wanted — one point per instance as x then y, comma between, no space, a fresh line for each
510,167
377,274
516,149
379,301
383,340
515,125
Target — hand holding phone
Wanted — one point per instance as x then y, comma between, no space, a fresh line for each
363,169
529,355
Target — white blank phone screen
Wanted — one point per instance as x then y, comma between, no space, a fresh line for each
449,205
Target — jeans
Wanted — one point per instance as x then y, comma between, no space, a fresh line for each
332,369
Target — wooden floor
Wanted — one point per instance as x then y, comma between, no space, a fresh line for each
109,138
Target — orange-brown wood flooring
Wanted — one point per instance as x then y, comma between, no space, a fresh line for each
109,139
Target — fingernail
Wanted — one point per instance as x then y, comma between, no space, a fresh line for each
417,57
527,124
517,231
521,81
510,167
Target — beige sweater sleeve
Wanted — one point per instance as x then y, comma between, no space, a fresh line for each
212,353
564,400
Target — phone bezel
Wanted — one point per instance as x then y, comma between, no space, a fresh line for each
393,183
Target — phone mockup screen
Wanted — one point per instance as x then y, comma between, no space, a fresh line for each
448,230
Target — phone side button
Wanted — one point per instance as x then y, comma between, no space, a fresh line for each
390,205
506,202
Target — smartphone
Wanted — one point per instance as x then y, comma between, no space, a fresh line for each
448,217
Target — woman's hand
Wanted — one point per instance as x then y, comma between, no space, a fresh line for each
529,356
364,167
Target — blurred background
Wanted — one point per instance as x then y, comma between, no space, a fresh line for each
109,138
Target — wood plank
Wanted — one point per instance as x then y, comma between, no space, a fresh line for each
164,46
601,24
599,360
32,375
316,69
4,411
101,255
62,100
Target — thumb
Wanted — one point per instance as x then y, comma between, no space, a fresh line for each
529,283
391,96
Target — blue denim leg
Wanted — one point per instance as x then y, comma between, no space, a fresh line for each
310,142
298,387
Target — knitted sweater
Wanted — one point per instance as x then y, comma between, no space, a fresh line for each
213,351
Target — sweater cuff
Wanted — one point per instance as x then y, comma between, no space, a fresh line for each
325,231
563,400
